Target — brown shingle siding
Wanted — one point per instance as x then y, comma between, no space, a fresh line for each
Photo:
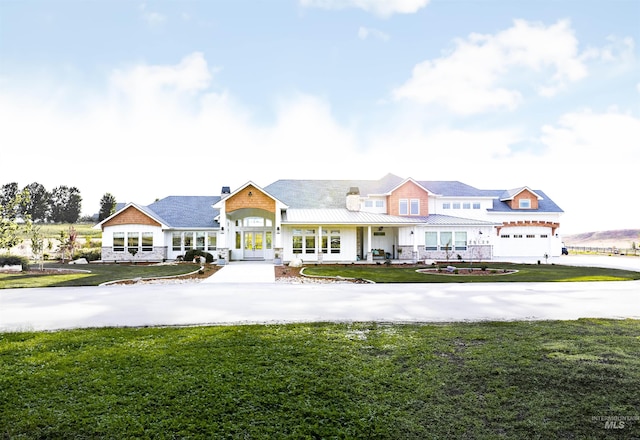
257,199
409,190
131,216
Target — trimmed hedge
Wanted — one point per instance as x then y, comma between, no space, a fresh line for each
191,254
14,260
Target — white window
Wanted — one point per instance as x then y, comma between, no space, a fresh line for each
466,205
212,241
446,205
368,203
461,241
176,240
147,241
415,207
524,203
304,241
404,207
446,242
456,205
431,241
335,241
200,240
133,240
188,241
476,205
118,241
379,203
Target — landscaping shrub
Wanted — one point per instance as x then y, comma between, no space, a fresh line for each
193,253
14,260
89,254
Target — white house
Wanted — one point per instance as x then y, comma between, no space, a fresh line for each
339,221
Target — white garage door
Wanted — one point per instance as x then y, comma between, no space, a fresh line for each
523,242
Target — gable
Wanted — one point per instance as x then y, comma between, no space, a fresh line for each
131,216
409,190
523,199
250,197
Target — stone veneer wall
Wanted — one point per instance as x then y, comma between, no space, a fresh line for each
472,253
159,253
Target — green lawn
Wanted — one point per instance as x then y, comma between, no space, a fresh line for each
100,273
52,230
526,273
512,380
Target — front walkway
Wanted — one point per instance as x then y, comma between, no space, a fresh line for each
244,272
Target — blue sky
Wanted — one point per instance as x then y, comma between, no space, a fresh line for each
157,98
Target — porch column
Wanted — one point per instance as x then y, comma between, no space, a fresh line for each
319,245
278,230
414,244
369,241
222,236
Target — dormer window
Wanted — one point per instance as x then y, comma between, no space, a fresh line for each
524,203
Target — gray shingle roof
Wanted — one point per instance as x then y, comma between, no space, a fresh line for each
186,211
324,200
330,194
544,205
451,188
327,194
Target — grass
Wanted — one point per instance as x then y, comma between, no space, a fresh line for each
52,230
526,273
100,273
484,380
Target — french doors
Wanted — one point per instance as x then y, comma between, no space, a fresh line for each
253,245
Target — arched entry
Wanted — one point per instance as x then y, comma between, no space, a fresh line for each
253,231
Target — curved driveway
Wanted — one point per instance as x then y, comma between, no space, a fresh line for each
241,303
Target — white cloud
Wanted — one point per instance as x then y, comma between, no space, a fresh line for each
161,130
382,8
474,77
191,74
364,33
152,18
616,50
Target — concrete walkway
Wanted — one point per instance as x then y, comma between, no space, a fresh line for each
244,272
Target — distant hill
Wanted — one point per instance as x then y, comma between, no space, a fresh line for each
620,239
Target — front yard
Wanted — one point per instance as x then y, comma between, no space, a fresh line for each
65,275
512,380
494,273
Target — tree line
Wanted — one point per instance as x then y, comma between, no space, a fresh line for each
62,204
22,209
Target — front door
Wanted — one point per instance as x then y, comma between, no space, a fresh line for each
253,245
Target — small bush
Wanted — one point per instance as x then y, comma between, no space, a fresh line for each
191,254
14,260
88,253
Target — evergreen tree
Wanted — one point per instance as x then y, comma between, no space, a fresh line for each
107,206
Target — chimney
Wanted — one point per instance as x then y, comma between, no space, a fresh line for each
353,199
225,191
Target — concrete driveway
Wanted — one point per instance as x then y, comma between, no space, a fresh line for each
242,303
